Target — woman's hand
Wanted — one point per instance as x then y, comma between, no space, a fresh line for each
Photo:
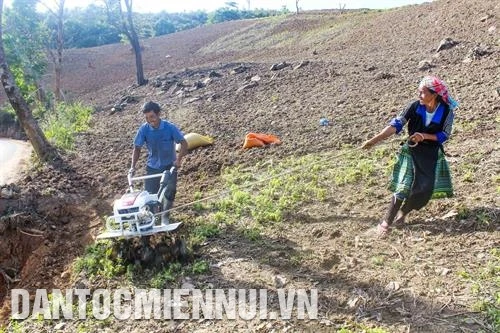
368,144
384,134
417,137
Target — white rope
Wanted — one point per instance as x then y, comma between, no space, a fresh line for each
223,193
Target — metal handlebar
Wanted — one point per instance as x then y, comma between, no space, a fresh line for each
131,179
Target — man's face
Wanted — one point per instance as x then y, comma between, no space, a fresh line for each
152,119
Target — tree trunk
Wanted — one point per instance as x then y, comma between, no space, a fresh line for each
134,41
138,62
42,97
297,6
125,23
60,46
40,144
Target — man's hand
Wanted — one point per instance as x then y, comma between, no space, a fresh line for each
131,172
182,152
178,163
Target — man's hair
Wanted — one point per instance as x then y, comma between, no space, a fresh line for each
150,106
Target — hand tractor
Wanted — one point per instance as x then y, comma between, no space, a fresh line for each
139,214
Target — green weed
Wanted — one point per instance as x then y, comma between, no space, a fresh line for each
265,194
466,125
165,276
252,233
485,286
99,260
199,267
15,326
378,260
67,120
356,327
202,232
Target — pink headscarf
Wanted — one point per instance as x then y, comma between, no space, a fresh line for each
439,87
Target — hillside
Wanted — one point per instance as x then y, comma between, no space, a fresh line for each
359,70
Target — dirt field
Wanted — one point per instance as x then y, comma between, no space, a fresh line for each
362,69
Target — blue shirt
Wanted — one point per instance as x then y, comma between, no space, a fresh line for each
160,143
415,109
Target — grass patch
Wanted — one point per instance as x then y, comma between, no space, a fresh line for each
485,286
174,271
200,267
168,275
355,328
259,198
203,231
484,217
466,126
67,120
99,260
378,260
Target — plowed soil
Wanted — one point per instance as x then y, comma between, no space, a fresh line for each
359,70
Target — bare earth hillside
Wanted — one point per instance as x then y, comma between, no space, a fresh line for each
358,69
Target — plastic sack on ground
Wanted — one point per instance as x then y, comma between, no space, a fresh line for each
195,140
260,140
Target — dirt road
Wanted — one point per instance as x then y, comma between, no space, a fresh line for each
14,155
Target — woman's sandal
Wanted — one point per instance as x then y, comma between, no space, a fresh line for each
400,218
383,229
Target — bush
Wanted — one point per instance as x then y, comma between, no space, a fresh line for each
67,120
7,116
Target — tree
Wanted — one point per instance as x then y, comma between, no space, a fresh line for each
232,4
38,140
57,58
163,27
297,6
125,23
88,27
24,41
224,14
341,8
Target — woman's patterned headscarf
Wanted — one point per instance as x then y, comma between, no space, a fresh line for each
439,87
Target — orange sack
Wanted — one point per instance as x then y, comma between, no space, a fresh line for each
260,140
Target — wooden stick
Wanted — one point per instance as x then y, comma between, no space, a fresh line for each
34,234
400,256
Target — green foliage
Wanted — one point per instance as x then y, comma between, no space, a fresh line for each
252,233
163,26
99,260
201,232
230,13
67,120
483,216
224,14
261,196
16,326
200,267
378,260
24,40
25,83
173,271
7,116
167,275
90,26
355,327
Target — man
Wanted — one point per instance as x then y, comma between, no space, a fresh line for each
160,137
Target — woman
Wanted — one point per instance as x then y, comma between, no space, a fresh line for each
421,171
